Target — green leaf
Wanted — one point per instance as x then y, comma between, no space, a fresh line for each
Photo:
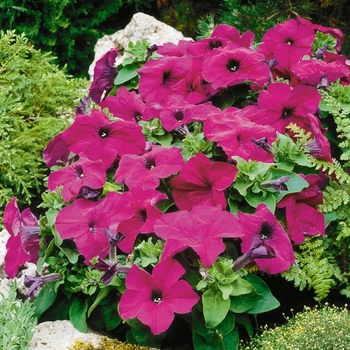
71,254
215,308
267,301
227,324
111,316
255,199
51,215
244,302
231,340
240,287
245,321
101,295
77,315
202,337
126,73
46,297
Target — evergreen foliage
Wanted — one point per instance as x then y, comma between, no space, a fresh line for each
36,97
321,328
260,15
69,29
17,321
313,269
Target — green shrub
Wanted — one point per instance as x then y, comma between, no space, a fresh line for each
69,29
17,321
326,328
36,99
260,15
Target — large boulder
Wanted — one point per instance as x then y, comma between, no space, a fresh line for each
141,26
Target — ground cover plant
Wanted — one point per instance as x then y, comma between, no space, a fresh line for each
191,172
32,110
17,321
314,328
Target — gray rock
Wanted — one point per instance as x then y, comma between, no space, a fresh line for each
141,26
59,335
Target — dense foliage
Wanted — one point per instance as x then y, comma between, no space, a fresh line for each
36,100
318,328
17,321
190,172
69,29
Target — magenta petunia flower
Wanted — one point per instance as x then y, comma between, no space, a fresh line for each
154,299
320,146
193,87
99,138
293,35
126,105
172,49
303,217
335,32
74,177
283,105
145,213
200,228
104,74
174,112
56,152
319,73
265,225
235,133
157,77
231,33
234,65
144,171
202,182
23,243
85,222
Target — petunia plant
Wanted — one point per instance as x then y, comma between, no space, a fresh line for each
191,172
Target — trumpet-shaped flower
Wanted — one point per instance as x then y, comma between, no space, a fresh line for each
99,138
200,228
23,243
234,65
202,182
126,105
104,75
144,171
56,151
283,105
234,133
265,225
35,283
154,299
293,35
303,217
85,222
83,173
157,77
145,213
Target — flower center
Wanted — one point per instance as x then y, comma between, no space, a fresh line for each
150,163
79,171
103,133
137,116
156,296
266,230
92,227
289,42
233,65
166,76
179,115
287,112
214,44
